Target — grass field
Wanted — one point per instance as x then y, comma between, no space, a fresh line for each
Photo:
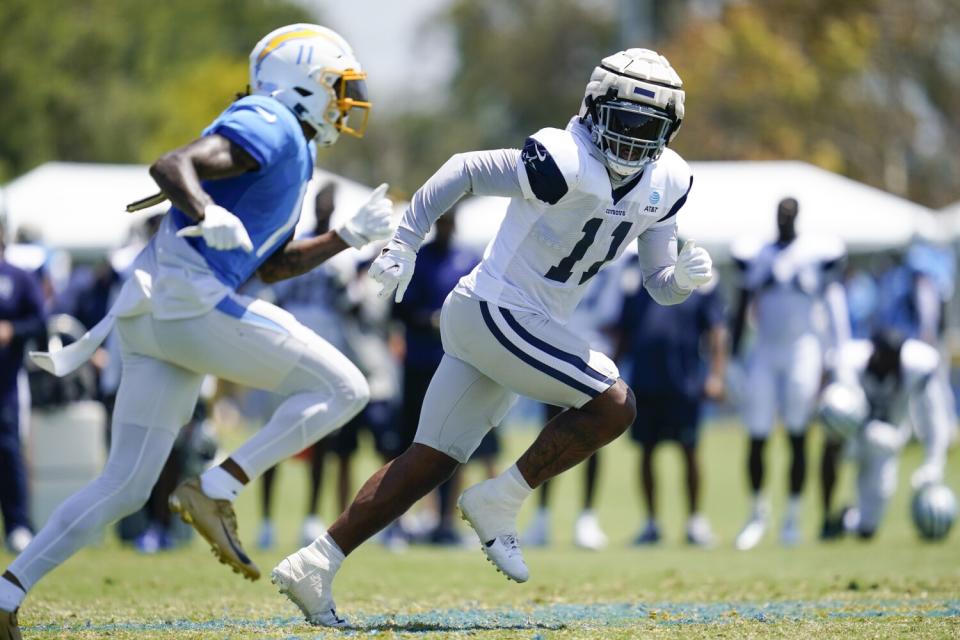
892,587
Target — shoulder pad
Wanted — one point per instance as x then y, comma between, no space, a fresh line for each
549,165
675,169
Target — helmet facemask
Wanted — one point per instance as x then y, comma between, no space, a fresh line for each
630,134
338,104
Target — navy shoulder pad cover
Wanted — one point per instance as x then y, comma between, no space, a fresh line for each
546,179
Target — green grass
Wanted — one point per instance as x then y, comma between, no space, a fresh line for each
894,586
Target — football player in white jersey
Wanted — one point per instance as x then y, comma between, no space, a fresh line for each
888,377
790,283
578,196
236,193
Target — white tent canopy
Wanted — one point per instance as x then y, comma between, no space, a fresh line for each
81,207
950,216
737,200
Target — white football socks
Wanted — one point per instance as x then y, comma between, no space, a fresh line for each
10,595
511,486
220,485
326,547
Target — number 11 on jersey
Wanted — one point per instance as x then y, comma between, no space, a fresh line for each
562,271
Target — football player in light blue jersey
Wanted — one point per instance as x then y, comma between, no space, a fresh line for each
236,194
578,197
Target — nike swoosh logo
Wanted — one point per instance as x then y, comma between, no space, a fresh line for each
240,554
266,115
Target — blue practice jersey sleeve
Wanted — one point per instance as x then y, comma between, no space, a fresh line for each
256,127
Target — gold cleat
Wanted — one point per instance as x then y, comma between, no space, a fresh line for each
9,629
216,521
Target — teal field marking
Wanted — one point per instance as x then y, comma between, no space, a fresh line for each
562,616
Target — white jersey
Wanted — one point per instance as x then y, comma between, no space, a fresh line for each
890,398
565,222
789,284
570,223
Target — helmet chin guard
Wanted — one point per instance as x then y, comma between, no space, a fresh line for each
633,104
313,72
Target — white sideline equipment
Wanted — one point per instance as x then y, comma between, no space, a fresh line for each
934,509
843,409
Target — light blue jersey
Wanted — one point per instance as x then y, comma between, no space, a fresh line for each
268,200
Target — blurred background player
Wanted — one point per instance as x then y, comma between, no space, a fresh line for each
879,382
441,265
578,196
21,321
180,317
594,319
317,299
790,284
676,357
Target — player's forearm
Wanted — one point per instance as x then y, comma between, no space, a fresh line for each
178,180
718,350
300,256
179,172
477,172
657,257
740,321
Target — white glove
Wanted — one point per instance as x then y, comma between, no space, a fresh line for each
694,266
220,229
371,221
393,269
927,473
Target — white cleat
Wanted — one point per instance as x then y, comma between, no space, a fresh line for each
306,578
18,540
587,533
496,526
752,533
538,533
790,533
699,532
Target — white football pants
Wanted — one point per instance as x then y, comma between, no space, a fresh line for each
247,341
785,375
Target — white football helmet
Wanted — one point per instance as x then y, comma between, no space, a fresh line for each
634,107
312,70
843,409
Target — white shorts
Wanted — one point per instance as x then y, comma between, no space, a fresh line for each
492,354
243,340
785,375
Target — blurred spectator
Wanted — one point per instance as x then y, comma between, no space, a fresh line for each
677,357
318,301
440,265
21,320
793,286
594,319
862,301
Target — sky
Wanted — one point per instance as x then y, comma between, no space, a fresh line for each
406,55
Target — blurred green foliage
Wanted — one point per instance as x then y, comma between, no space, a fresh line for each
97,80
868,88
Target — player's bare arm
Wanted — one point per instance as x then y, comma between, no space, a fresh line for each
300,256
178,173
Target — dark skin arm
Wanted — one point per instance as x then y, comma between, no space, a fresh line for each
740,321
179,172
300,256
